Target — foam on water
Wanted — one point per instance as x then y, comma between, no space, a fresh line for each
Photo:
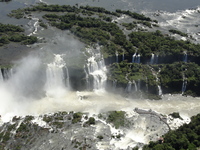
186,21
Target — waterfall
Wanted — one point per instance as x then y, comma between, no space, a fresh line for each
184,85
156,59
133,58
139,84
6,73
152,59
117,60
1,76
136,58
57,77
114,84
98,70
157,81
129,87
87,77
185,57
123,57
147,84
136,89
159,90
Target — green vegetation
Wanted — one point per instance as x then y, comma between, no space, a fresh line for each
28,118
117,118
124,72
176,115
129,26
93,30
178,32
155,42
100,137
11,33
186,137
91,121
134,15
47,118
171,76
77,117
43,25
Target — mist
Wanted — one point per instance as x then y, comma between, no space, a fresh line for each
39,83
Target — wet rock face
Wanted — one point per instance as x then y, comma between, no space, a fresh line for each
64,130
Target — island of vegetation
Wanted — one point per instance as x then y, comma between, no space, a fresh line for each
11,33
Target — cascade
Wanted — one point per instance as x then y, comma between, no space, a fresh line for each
136,88
57,77
123,57
139,84
156,59
87,77
129,87
114,84
138,59
147,87
184,85
117,60
96,68
185,57
157,81
6,73
152,59
133,58
1,76
159,90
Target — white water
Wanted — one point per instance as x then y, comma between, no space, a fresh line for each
114,84
157,81
136,88
152,59
55,84
133,58
186,21
97,68
136,58
159,90
129,87
87,77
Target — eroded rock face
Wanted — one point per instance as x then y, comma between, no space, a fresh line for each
64,130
